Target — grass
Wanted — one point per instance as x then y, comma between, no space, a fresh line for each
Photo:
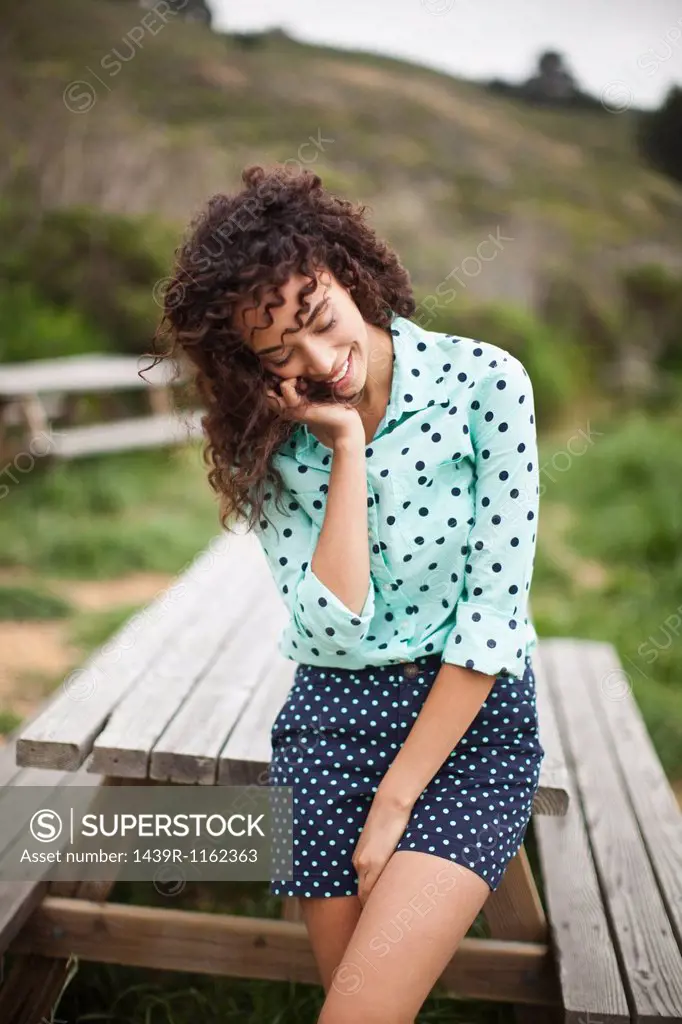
9,721
89,630
609,563
100,518
24,603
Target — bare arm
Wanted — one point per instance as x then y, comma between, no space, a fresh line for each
453,702
341,558
323,572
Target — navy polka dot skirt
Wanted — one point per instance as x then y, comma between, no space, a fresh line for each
335,738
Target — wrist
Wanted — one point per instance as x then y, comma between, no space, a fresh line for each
349,441
391,797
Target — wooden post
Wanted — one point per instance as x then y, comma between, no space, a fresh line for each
514,912
34,983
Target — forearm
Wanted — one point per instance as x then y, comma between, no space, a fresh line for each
341,556
454,700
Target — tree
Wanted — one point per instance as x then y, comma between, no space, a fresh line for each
552,82
659,135
191,10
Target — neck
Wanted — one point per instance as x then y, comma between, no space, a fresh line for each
377,389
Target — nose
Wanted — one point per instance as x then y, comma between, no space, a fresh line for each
319,363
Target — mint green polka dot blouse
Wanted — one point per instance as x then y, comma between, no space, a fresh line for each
452,496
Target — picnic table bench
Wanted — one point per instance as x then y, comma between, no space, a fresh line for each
35,394
186,693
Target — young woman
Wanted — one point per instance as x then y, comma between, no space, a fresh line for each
391,476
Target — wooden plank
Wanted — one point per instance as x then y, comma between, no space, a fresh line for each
552,796
72,374
230,946
63,735
646,944
642,774
18,899
189,749
245,758
148,712
34,982
9,769
124,435
587,964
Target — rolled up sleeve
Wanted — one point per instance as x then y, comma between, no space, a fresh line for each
490,615
317,614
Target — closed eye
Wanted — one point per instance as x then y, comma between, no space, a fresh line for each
322,330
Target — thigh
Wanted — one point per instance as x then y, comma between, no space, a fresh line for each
419,910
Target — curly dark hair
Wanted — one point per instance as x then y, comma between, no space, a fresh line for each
239,247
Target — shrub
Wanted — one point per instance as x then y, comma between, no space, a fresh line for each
659,135
32,328
554,362
96,267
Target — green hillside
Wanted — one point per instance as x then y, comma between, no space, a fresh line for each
163,115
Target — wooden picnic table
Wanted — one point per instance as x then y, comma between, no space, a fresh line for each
35,394
186,693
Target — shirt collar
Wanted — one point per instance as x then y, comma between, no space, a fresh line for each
418,382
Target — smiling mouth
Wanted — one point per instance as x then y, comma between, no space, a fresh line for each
341,373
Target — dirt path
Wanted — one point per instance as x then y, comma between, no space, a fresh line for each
36,655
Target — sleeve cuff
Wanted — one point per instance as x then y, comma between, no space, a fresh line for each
485,640
320,615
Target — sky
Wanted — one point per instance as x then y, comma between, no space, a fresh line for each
628,52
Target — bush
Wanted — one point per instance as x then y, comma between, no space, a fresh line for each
632,477
555,364
97,269
641,319
659,135
653,297
31,328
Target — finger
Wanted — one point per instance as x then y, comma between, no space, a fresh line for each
278,405
367,883
291,396
274,399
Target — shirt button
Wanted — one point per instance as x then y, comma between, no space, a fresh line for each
387,587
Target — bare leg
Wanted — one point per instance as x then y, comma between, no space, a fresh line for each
330,922
419,910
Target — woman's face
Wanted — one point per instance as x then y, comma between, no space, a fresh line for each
334,341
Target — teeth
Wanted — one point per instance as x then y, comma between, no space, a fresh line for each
342,373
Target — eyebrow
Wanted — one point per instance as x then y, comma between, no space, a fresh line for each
318,308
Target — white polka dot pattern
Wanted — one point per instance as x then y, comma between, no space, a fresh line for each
337,734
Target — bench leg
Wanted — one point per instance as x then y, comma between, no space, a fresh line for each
291,909
514,912
33,984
